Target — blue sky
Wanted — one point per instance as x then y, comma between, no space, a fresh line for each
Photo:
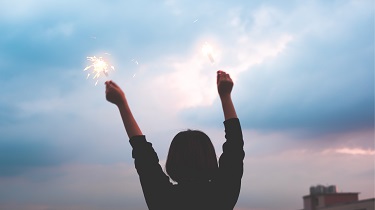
304,92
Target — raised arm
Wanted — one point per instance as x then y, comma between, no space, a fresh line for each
224,87
154,182
115,95
231,160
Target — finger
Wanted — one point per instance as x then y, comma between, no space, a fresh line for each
221,75
108,83
225,76
113,84
108,86
221,78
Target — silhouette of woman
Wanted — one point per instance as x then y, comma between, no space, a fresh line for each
202,182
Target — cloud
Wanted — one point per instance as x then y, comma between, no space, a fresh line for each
355,151
303,85
310,83
191,82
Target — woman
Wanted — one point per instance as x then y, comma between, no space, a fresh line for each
202,183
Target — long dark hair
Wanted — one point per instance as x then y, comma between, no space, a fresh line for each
191,157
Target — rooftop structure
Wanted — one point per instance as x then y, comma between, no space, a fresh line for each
327,198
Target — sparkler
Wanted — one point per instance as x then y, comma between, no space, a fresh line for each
99,67
207,50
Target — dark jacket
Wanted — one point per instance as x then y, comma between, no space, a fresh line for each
220,193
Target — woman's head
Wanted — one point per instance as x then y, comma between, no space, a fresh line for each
191,157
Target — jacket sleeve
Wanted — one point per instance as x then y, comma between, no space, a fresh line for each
155,183
231,163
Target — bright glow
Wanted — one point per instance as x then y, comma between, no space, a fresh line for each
207,50
99,67
355,151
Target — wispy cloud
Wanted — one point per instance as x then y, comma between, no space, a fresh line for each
355,151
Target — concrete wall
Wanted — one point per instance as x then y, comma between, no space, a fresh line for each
367,204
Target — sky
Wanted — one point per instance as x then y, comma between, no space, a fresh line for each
304,94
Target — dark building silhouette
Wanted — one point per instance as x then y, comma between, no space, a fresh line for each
327,198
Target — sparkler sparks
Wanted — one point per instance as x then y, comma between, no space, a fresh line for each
137,63
99,67
207,50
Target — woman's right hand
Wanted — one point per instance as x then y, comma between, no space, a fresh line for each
224,83
113,93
